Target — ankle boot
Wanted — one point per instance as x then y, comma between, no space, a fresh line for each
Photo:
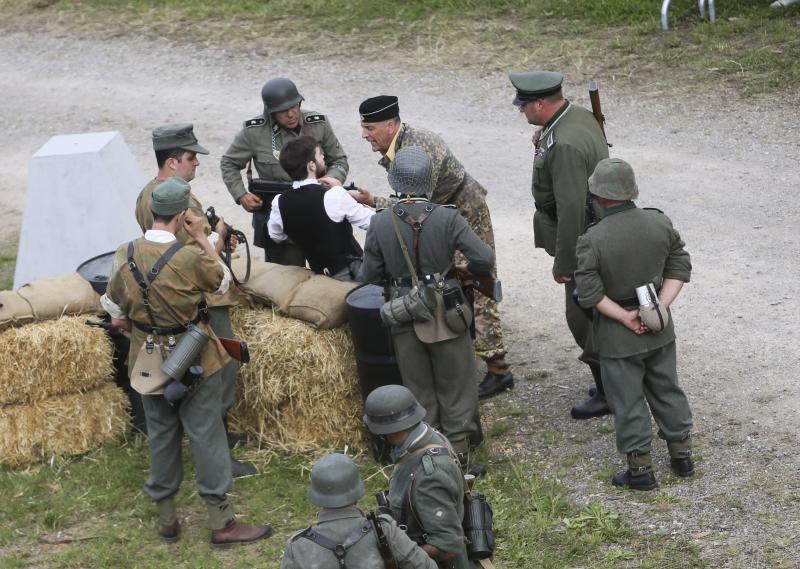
596,405
498,378
235,533
680,461
639,475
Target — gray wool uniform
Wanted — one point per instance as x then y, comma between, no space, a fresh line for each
336,524
630,247
261,140
441,375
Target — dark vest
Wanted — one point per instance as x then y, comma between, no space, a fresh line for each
326,244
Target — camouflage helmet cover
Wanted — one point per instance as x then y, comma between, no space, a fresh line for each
335,482
391,409
279,94
613,179
411,172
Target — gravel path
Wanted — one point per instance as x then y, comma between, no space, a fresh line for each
723,169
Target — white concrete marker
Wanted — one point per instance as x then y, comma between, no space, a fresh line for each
82,191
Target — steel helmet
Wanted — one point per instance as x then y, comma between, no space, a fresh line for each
279,94
335,482
613,179
391,409
411,172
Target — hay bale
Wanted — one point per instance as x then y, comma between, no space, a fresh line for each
64,425
50,358
300,390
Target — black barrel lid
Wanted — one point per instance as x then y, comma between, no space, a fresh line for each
97,271
365,297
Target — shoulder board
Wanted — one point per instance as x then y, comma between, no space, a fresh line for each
449,206
299,534
550,140
654,209
311,119
255,122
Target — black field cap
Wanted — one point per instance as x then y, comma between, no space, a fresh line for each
535,85
172,136
380,108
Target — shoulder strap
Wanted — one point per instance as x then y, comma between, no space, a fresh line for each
338,549
145,282
394,213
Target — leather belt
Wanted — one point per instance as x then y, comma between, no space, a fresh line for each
165,330
424,279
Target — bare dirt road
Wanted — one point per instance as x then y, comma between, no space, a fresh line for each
724,170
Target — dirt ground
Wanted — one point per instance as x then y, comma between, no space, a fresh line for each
725,171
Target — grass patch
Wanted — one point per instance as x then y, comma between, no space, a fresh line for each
537,375
751,47
8,260
91,512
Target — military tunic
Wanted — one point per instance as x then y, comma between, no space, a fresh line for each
174,297
570,146
218,304
337,524
628,248
261,140
428,497
441,375
454,186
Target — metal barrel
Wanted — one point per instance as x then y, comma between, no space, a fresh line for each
375,357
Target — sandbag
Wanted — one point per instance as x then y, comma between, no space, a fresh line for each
273,284
14,310
67,295
320,302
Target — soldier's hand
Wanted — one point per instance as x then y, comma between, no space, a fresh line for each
250,202
221,230
194,226
362,196
234,242
329,182
562,279
632,322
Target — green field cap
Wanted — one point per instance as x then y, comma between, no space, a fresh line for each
172,136
534,85
170,197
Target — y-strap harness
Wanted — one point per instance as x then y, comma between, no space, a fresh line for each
146,283
416,224
338,549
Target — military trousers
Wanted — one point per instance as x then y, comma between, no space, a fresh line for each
220,322
199,416
580,326
635,382
471,203
442,376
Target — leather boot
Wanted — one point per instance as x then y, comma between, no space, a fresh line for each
596,405
639,475
235,533
498,378
680,461
168,527
240,469
170,533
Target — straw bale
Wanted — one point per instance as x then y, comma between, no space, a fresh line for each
69,294
63,425
49,358
300,390
14,310
320,302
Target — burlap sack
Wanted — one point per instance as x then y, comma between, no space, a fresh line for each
273,285
320,302
67,295
14,310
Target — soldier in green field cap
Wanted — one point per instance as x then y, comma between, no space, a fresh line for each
568,148
343,536
176,149
631,266
158,310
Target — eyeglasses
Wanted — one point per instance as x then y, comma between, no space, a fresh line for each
526,103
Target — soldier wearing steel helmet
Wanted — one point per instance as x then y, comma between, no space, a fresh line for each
343,536
567,150
261,140
436,358
426,489
632,247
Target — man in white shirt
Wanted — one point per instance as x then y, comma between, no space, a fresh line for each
317,219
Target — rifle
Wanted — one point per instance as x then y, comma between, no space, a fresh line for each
227,250
237,349
488,286
597,110
387,555
113,331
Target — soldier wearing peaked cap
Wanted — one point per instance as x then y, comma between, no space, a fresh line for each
343,536
158,310
261,140
569,147
627,249
176,149
452,185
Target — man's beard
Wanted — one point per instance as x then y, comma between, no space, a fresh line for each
322,169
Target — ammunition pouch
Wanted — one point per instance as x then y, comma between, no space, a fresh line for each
146,375
416,305
477,524
457,313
